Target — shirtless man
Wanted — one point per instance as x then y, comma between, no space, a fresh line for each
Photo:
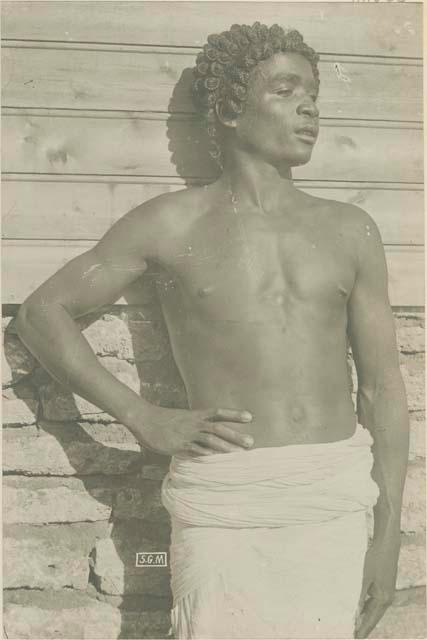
260,284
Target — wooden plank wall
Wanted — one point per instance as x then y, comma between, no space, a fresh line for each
97,118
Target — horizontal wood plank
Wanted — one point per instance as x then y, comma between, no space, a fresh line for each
159,80
85,210
106,144
406,273
26,264
384,29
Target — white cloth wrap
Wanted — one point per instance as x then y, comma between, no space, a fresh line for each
270,542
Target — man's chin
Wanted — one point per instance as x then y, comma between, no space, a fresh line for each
297,157
301,158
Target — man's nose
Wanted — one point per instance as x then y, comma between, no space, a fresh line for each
308,108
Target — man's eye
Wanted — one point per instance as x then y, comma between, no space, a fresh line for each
284,92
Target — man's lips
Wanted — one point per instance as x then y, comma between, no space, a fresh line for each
307,132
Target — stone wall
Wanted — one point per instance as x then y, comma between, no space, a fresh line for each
81,498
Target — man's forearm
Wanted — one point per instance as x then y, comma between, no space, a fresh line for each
384,412
54,338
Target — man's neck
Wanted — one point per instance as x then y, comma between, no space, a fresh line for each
256,183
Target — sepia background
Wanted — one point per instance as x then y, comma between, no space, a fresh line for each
96,119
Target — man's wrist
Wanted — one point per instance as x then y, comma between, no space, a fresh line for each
137,417
387,528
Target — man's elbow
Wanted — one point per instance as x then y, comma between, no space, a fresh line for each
24,319
382,386
30,315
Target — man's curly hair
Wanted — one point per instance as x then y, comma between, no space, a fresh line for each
223,68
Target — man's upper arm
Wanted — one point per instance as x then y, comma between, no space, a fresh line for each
370,320
98,276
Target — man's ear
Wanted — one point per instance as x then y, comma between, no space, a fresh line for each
225,117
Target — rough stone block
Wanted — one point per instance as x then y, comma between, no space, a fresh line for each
133,601
107,567
20,403
163,371
22,390
43,500
412,563
154,472
412,368
406,618
124,371
5,322
71,448
46,615
17,412
150,340
142,501
410,339
414,499
134,339
113,564
49,557
17,361
148,624
94,620
165,395
109,336
410,319
33,564
417,443
157,531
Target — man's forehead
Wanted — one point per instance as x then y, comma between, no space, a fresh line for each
289,66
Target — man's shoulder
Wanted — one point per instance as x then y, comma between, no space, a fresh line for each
351,227
171,212
346,216
348,211
357,223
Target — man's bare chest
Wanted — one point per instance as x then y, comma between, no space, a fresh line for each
236,265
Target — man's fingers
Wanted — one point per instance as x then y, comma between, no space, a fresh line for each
211,441
231,435
372,613
229,415
197,450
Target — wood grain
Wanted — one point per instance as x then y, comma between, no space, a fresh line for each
59,209
383,29
26,264
159,80
83,143
104,144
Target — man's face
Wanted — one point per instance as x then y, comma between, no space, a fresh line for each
280,120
